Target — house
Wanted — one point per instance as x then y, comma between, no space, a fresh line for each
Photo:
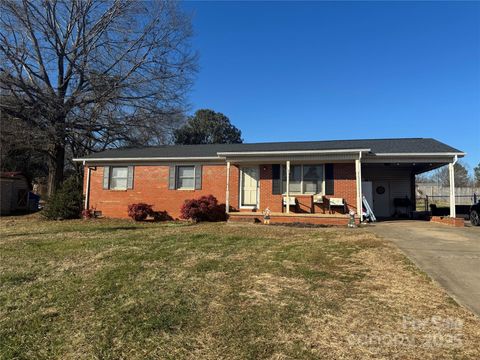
14,189
313,181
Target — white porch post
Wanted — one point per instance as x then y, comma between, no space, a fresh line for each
358,178
227,195
287,194
451,172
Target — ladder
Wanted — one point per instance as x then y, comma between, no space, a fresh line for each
369,211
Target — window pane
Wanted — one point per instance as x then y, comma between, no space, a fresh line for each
119,172
186,183
295,178
118,184
312,172
311,186
185,177
185,171
295,173
312,178
295,186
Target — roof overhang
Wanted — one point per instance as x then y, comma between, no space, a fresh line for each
435,158
295,155
439,154
291,152
144,159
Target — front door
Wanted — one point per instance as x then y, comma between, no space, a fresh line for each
249,187
381,199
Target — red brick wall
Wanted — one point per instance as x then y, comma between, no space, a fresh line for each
151,186
274,202
345,184
457,222
234,186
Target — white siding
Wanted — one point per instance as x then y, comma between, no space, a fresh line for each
396,182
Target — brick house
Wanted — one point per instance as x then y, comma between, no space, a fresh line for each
315,182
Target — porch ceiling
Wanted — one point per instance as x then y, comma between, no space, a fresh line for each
416,168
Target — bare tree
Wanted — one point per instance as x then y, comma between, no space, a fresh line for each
19,150
90,74
462,179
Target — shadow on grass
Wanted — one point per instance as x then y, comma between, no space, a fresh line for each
86,230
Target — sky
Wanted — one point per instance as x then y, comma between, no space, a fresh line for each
293,71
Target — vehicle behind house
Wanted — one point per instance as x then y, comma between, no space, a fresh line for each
475,214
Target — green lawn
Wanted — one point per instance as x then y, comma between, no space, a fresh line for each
114,289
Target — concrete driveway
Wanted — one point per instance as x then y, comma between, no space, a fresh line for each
449,255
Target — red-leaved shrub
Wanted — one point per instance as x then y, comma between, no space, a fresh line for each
205,208
140,211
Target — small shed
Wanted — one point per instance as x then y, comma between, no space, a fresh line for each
14,192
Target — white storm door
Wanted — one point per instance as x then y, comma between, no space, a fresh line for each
367,190
249,186
381,199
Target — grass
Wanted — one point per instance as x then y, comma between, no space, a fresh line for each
113,289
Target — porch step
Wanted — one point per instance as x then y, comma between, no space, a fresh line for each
245,219
291,218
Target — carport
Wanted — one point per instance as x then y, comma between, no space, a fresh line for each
388,180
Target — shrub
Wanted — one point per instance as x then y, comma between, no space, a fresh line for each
66,202
140,211
205,208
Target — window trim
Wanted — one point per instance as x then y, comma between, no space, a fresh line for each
302,192
110,177
177,173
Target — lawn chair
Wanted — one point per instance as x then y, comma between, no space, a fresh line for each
318,199
292,202
337,202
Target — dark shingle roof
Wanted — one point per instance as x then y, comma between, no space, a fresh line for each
406,145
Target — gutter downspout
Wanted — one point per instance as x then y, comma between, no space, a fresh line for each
87,189
227,195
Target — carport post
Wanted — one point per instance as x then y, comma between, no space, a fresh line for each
227,195
451,171
287,197
358,178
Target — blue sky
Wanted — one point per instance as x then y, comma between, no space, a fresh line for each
342,70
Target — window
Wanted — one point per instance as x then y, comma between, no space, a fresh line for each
304,179
312,179
295,178
119,178
186,177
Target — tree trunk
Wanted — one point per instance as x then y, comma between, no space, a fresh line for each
56,163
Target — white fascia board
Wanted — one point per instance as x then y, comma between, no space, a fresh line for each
422,154
151,159
292,152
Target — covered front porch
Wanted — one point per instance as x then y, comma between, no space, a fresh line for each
312,187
